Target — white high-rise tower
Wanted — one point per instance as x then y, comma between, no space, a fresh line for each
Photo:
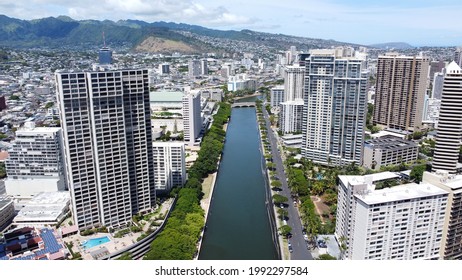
334,108
449,135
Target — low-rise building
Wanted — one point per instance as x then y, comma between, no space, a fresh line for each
292,141
214,94
45,209
388,151
30,243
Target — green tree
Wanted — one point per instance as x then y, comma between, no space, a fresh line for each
276,184
49,105
283,213
2,170
326,257
417,173
285,230
279,199
125,256
271,166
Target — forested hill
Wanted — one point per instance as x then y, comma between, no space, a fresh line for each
66,32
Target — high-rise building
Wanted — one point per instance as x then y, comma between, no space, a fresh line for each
403,222
105,56
35,163
400,91
432,111
169,165
335,106
437,88
290,119
164,69
204,67
451,245
227,70
458,56
192,120
449,134
293,82
194,68
436,67
107,138
277,95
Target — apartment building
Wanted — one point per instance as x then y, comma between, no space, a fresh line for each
169,165
403,222
107,139
400,91
335,104
386,151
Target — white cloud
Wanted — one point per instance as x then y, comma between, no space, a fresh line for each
187,11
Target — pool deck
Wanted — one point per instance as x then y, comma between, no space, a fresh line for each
114,245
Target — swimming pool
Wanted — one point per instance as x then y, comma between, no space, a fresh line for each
95,242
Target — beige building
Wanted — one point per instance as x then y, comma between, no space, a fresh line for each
451,244
400,91
388,151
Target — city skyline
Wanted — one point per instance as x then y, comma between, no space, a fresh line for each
419,23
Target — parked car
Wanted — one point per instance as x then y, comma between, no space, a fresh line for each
322,244
290,247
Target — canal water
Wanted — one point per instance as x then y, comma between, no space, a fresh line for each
238,226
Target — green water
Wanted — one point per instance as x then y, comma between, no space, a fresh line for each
238,226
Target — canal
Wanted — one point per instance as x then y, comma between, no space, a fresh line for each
238,225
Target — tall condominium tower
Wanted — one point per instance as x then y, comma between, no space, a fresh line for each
108,145
194,68
400,91
334,108
192,120
293,82
169,165
291,109
449,134
35,162
105,56
204,67
403,222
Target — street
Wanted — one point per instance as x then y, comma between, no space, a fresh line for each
299,245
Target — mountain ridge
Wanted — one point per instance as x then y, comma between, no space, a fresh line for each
63,31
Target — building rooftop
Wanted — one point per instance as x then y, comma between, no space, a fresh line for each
47,206
166,96
291,136
4,201
390,143
384,133
367,179
402,192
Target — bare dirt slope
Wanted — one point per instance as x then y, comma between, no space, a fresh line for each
158,45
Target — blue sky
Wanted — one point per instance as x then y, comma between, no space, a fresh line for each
423,22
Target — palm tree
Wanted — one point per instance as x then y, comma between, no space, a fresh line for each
343,246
